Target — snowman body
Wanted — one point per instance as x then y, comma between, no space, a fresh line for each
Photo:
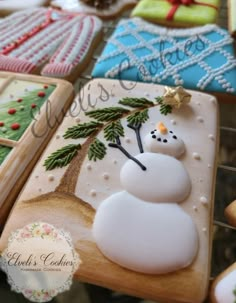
143,228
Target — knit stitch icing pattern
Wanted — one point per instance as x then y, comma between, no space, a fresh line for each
61,40
198,58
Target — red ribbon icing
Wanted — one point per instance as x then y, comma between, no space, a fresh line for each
177,3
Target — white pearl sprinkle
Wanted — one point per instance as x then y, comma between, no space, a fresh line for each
58,136
89,166
209,165
196,156
40,189
203,200
115,161
173,122
106,176
36,177
200,119
194,207
51,178
204,229
77,120
127,140
211,137
93,193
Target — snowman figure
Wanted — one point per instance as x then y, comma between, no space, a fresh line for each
143,228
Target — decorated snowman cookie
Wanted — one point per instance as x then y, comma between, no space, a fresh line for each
143,228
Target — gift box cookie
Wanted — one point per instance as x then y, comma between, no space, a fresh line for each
30,110
10,6
125,178
103,9
55,44
199,58
178,13
232,17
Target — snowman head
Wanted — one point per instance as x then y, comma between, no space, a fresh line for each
164,141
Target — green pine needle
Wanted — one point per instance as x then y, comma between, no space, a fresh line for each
97,150
165,109
82,130
107,114
62,157
138,117
159,100
113,130
136,102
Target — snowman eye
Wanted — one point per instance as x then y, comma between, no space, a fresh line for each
152,132
154,137
174,137
171,131
165,141
159,139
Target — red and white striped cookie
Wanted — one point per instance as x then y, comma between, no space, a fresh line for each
33,38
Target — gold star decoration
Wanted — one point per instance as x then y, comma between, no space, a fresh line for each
176,96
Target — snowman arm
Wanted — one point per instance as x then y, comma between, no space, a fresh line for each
124,151
136,128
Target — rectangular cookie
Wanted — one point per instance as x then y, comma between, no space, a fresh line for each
178,13
232,17
130,174
48,42
30,109
200,58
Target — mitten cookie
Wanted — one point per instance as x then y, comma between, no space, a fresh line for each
199,58
104,9
178,13
33,38
30,110
124,176
10,6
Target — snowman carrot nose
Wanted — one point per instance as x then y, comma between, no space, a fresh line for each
161,127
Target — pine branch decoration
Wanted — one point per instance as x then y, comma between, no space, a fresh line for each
138,117
113,130
97,150
165,109
62,157
136,102
82,130
107,114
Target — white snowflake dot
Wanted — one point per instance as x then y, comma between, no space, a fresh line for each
196,156
51,178
89,166
93,193
200,119
106,176
203,200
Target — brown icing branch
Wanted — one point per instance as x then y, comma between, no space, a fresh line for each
70,178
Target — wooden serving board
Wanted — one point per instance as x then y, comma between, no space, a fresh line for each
68,197
34,106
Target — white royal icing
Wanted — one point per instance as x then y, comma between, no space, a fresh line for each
169,143
143,236
165,179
